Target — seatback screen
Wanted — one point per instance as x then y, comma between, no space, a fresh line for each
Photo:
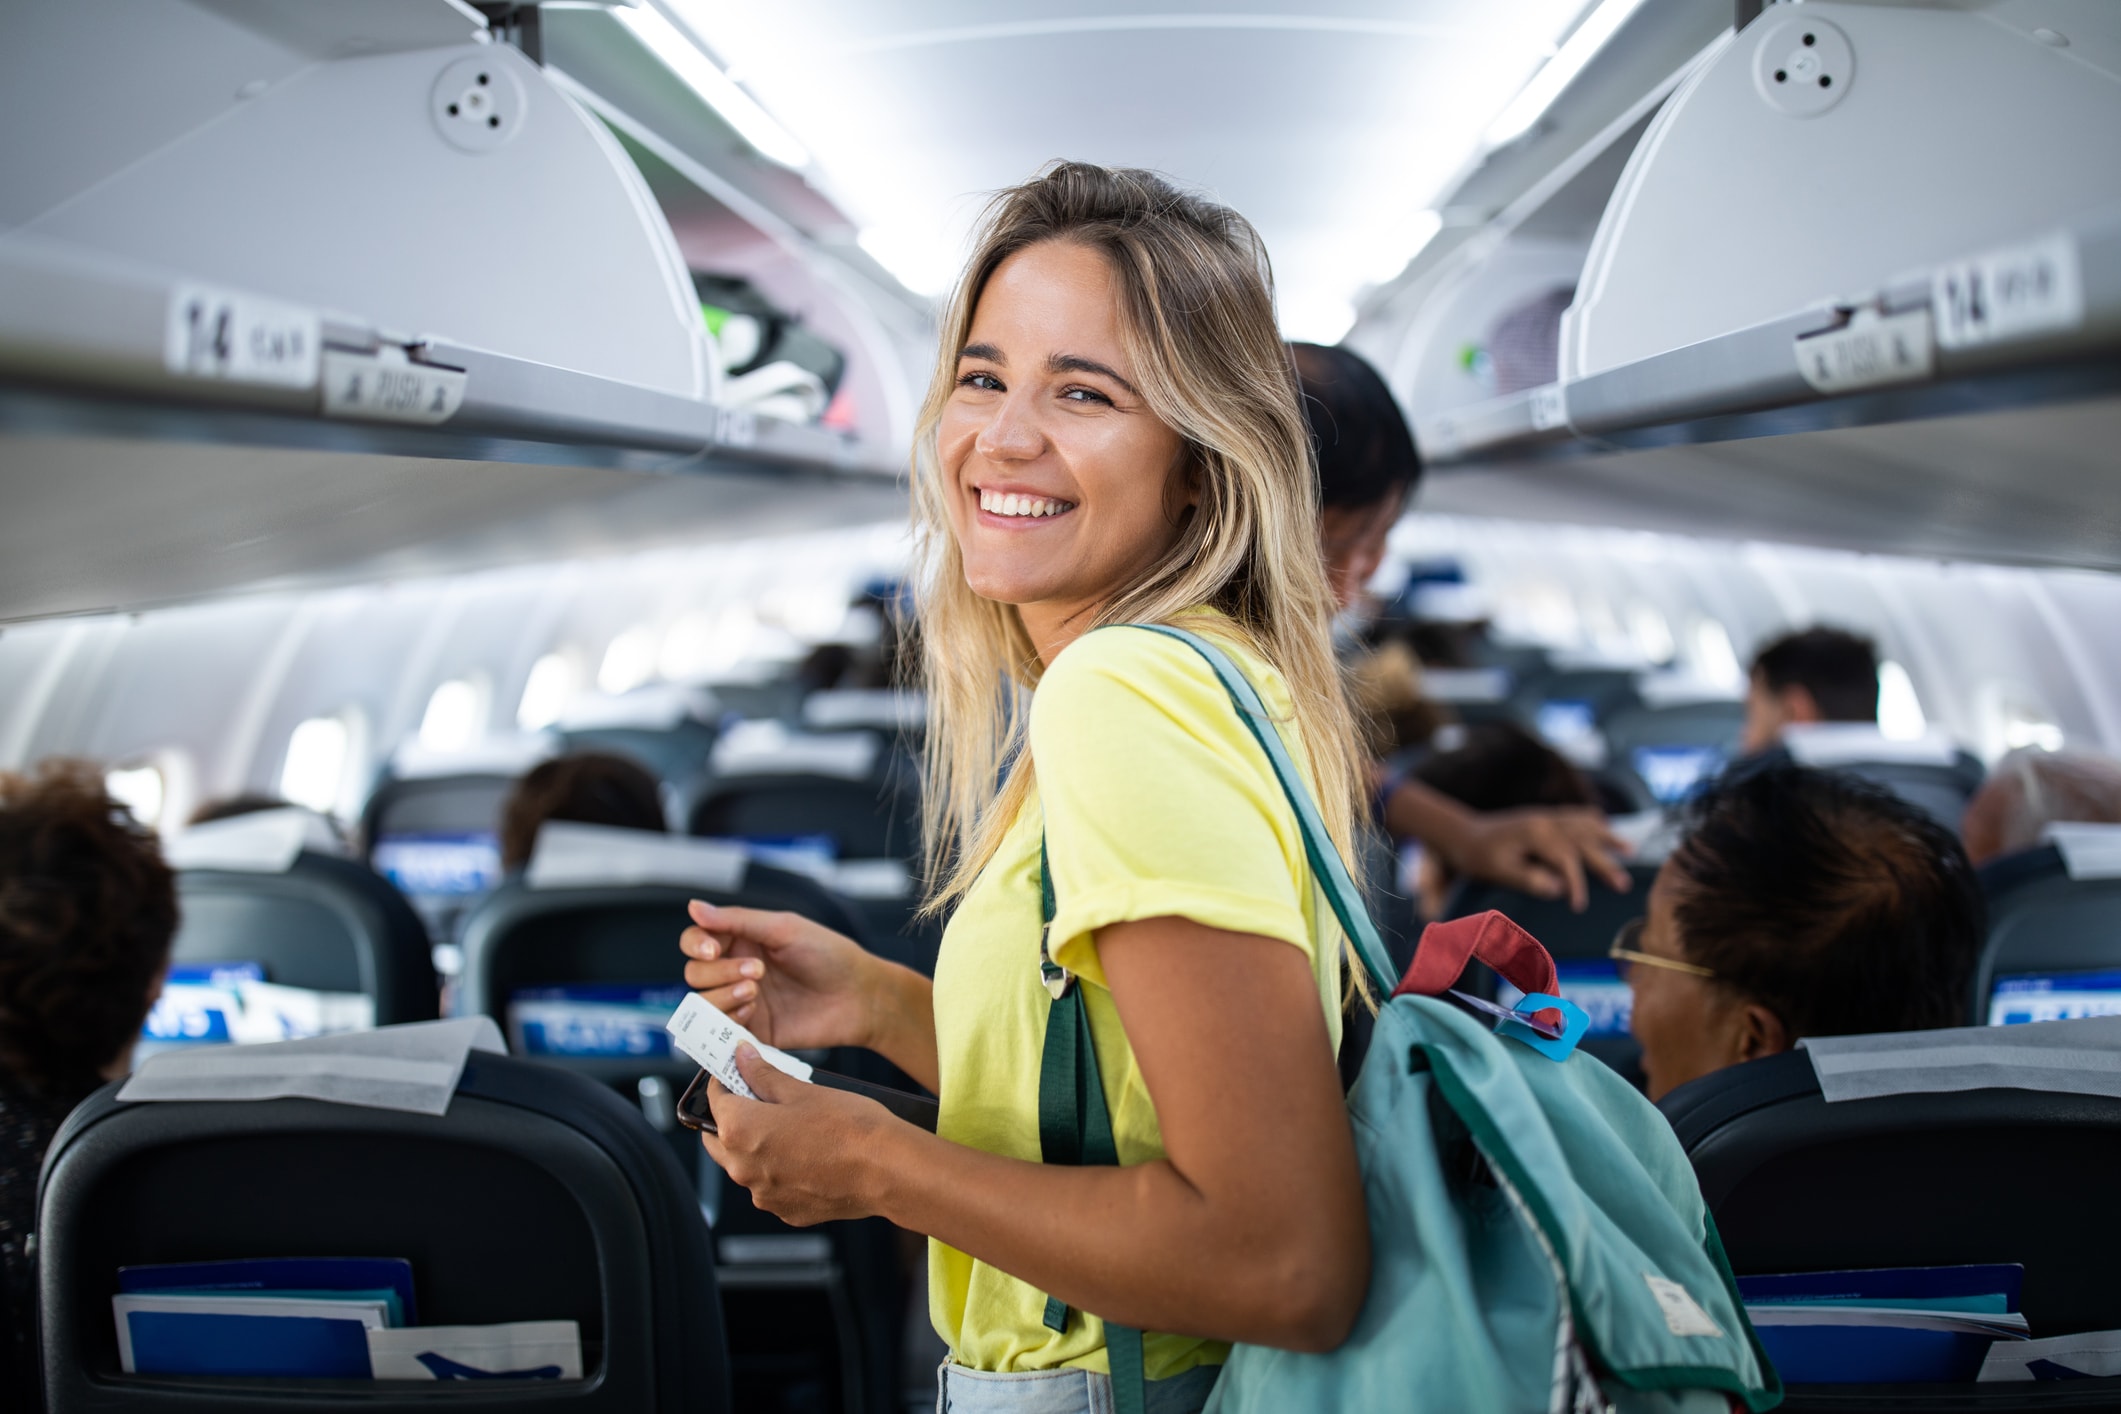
218,1002
2054,996
440,864
597,1020
1672,772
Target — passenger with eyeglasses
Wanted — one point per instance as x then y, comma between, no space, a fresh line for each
1798,903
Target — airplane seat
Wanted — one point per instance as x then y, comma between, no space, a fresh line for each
1999,1175
324,924
534,952
1672,747
1569,707
538,1195
868,820
1578,943
438,839
2053,948
1930,774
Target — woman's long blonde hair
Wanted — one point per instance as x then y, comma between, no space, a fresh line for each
1197,319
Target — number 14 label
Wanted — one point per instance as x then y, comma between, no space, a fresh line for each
212,333
2007,294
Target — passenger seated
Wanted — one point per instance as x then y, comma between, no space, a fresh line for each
1818,675
87,912
1498,766
1798,903
2030,789
588,787
1368,468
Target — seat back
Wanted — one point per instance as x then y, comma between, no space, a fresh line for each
524,939
325,924
1578,943
438,839
1673,747
2054,941
877,817
1996,1175
1929,774
539,1195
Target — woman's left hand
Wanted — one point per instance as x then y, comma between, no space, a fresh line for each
807,1153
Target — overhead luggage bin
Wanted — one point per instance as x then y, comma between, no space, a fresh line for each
376,279
1868,317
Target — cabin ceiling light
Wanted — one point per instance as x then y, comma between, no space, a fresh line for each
1523,112
683,56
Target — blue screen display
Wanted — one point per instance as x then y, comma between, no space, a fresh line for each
1672,772
198,1001
2054,996
1594,985
440,864
610,1020
1566,720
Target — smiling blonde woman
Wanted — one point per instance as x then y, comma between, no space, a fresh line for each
1112,438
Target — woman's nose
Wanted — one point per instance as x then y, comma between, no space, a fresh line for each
1012,434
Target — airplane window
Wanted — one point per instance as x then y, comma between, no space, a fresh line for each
1899,709
629,661
1715,660
1652,635
140,790
707,641
455,716
316,763
2025,726
553,679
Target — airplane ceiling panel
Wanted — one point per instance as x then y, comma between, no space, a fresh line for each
1330,131
2021,485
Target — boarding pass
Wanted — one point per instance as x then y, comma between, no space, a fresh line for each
703,1031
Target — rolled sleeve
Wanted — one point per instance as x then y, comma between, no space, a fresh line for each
1157,801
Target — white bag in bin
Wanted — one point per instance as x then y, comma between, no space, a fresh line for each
522,1350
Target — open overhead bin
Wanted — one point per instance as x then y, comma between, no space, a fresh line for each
1859,284
320,292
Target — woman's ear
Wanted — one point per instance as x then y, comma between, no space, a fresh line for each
1759,1032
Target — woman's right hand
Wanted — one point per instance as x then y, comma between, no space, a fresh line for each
796,984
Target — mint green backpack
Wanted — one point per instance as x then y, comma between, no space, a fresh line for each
1538,1242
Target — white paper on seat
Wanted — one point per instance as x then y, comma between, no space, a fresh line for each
770,749
2093,1355
1465,685
2081,1057
1829,744
414,1068
574,856
263,842
2089,851
886,708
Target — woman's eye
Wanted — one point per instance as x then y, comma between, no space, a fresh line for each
986,382
1086,395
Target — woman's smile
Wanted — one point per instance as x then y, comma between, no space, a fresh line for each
1009,507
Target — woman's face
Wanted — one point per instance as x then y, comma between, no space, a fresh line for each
1064,486
1353,540
1683,1023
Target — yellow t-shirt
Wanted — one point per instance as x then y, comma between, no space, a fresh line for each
1155,802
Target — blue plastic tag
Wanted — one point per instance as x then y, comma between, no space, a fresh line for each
1552,1047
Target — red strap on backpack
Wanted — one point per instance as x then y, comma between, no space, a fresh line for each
1441,954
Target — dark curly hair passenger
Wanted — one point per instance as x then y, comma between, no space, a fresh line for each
87,912
588,787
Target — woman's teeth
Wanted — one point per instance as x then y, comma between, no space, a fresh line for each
1014,505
